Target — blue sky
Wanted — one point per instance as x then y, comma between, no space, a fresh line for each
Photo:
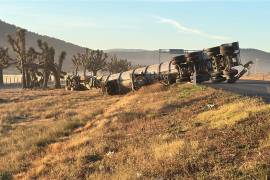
145,24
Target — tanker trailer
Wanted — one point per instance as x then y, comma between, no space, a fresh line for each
134,79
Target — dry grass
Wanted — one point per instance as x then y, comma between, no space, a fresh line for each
167,150
231,113
182,131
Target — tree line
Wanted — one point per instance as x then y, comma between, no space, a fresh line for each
97,60
37,65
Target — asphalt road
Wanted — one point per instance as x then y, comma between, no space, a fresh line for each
255,88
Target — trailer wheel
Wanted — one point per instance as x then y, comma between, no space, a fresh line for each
235,46
226,50
179,60
218,79
139,82
211,54
214,51
193,55
231,80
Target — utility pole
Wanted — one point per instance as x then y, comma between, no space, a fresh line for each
159,51
194,76
256,65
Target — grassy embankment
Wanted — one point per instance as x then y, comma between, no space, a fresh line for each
179,131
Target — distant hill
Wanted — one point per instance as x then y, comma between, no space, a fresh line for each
136,56
31,40
260,58
151,57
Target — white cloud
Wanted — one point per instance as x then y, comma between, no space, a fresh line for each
182,28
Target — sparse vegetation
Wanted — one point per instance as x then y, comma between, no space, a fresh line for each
116,65
96,60
19,47
36,67
76,61
48,64
147,134
5,61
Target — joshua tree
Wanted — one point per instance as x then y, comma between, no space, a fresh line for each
82,60
76,60
18,46
91,60
118,65
85,60
47,62
46,57
5,61
28,65
26,59
61,59
97,60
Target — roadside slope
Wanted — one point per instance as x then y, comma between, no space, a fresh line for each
178,131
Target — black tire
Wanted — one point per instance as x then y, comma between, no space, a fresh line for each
184,65
139,82
218,79
231,80
198,79
226,45
211,54
190,59
179,59
194,60
214,51
226,50
171,79
195,54
235,46
183,79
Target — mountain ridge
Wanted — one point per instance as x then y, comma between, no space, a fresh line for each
135,56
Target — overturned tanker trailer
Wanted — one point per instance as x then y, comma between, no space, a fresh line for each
216,64
120,83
